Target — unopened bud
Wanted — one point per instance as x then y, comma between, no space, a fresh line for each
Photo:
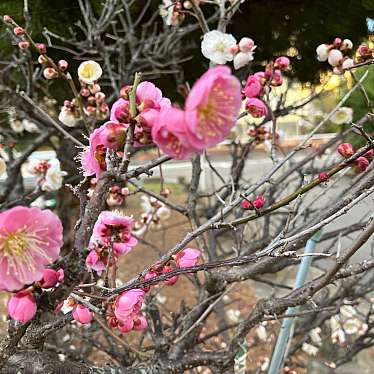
42,48
7,19
42,60
85,92
323,176
19,31
50,73
95,88
346,150
63,65
24,44
100,96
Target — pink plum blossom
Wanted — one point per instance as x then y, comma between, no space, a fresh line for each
188,257
30,239
256,107
22,306
116,229
169,133
120,111
259,202
212,107
127,303
253,86
82,314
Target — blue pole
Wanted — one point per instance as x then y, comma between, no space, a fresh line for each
286,330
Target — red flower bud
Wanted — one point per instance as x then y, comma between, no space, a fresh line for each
18,31
259,202
361,164
24,44
346,150
323,176
246,204
85,92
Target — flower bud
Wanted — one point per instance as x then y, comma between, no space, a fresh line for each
82,314
63,65
24,44
323,176
335,57
282,62
7,19
100,96
259,202
19,31
124,92
104,108
364,51
337,42
22,306
234,49
322,52
85,92
125,191
187,5
42,60
50,278
90,109
361,164
369,154
246,205
256,108
50,73
347,44
95,88
172,280
42,48
346,150
246,44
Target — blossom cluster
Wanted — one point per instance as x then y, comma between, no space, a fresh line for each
220,48
338,54
257,203
362,162
260,83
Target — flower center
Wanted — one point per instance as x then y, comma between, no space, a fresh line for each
87,71
15,243
220,47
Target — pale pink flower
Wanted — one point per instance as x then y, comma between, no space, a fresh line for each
116,229
277,77
335,57
22,306
188,257
82,314
322,52
30,239
253,86
50,278
212,107
169,133
282,62
246,45
256,107
127,303
242,59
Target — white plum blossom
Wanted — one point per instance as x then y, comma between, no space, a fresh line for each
2,167
351,326
216,46
309,349
335,57
89,72
242,59
322,52
347,43
17,126
67,117
167,13
342,116
30,126
54,176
